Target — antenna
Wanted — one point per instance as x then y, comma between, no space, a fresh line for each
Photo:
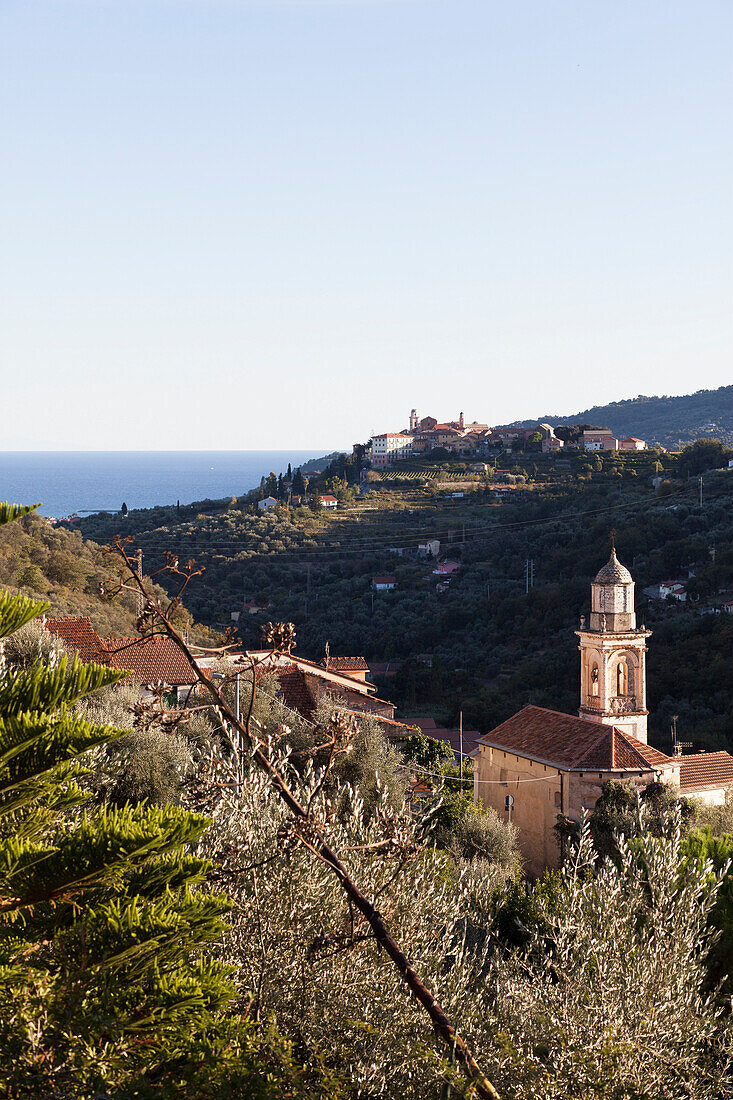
678,746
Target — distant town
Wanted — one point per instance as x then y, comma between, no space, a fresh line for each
426,435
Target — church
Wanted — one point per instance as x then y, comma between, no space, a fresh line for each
541,763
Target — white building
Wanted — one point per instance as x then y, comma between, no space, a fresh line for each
389,447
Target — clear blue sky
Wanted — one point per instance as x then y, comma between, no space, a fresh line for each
275,223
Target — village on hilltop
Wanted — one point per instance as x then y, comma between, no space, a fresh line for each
461,438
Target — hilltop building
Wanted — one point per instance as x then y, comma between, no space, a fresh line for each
389,447
541,763
424,435
601,440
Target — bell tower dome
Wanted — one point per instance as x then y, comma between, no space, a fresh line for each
613,654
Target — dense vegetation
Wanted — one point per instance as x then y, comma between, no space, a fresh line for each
56,563
150,951
669,421
483,644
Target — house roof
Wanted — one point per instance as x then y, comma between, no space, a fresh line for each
564,741
447,567
705,769
150,660
295,691
384,580
78,634
345,664
328,496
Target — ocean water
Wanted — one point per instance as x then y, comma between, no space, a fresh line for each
95,481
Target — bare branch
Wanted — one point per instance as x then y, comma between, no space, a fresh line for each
310,833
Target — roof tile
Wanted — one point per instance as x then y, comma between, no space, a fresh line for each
569,742
705,769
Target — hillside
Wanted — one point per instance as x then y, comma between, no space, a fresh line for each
669,421
480,644
57,565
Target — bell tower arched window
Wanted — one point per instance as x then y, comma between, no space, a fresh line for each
621,678
594,681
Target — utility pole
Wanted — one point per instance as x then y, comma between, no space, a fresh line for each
464,533
307,589
460,743
528,574
139,571
701,490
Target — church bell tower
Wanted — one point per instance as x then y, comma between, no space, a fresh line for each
613,654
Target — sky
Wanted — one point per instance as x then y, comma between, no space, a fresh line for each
284,223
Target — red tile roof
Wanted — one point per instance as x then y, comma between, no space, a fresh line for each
345,664
568,742
78,634
150,660
617,749
384,580
705,769
295,691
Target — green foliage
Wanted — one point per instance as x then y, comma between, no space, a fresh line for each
605,999
702,455
426,751
671,421
703,850
102,927
623,811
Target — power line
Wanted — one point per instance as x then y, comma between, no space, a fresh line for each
346,546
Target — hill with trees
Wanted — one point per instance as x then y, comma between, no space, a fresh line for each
492,639
672,422
57,564
281,921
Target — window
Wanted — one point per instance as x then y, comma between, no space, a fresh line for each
594,680
622,678
502,776
557,800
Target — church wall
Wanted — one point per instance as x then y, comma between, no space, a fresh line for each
536,804
498,773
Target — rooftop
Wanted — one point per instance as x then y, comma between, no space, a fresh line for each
579,744
705,769
345,664
613,572
150,660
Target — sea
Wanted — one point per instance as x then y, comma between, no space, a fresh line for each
97,481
